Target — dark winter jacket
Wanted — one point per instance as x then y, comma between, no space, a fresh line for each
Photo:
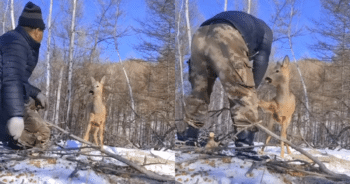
256,34
18,55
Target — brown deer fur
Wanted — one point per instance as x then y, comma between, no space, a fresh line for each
97,111
282,106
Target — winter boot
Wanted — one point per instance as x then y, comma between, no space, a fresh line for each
245,138
189,136
192,136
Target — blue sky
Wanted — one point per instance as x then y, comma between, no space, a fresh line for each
134,9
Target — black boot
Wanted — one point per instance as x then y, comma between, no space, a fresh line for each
245,138
13,144
192,136
189,136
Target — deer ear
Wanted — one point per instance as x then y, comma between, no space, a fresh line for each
93,80
285,62
103,79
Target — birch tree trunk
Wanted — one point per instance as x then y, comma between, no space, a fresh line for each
4,18
48,65
70,64
180,55
12,15
188,23
58,97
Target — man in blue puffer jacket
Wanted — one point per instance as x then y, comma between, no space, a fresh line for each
19,52
223,47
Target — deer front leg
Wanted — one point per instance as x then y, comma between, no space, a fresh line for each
270,127
95,135
283,135
287,124
266,106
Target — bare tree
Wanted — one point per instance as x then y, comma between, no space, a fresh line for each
225,6
292,15
48,65
70,63
180,55
118,14
103,27
158,30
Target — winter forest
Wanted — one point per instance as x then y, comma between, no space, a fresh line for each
141,48
138,92
318,48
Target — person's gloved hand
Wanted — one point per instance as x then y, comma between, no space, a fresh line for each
42,100
15,127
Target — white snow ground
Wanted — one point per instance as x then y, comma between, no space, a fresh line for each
232,170
214,171
58,170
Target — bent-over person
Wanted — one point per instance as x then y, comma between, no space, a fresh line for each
223,47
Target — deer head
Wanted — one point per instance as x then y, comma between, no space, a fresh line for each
97,87
280,73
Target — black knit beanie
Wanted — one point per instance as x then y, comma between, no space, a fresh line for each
31,17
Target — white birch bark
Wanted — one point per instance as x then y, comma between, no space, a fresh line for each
12,15
58,100
188,23
4,17
70,64
180,55
48,65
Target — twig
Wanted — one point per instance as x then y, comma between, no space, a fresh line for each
141,169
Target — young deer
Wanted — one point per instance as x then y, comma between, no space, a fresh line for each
282,106
97,111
